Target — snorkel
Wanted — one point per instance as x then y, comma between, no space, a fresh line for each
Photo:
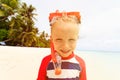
56,60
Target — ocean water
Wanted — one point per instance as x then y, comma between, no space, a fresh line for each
101,65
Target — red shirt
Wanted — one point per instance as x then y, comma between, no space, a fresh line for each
42,74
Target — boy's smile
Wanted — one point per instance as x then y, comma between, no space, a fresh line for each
64,36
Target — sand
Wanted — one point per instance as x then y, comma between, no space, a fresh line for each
22,63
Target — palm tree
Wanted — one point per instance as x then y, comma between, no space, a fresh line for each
17,25
44,40
23,32
7,9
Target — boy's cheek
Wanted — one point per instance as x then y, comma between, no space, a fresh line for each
56,47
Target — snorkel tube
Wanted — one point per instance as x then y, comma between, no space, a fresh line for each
56,60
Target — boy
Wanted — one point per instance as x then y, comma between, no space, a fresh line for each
62,63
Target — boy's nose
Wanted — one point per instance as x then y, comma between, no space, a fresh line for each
65,45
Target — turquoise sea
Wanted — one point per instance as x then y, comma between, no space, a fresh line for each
102,65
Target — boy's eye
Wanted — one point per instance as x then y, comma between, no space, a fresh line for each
58,39
71,39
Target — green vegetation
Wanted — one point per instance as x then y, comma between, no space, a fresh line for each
17,25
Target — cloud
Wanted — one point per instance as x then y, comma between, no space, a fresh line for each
102,32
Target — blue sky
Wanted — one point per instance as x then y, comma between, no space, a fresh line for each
100,28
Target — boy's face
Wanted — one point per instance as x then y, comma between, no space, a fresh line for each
64,36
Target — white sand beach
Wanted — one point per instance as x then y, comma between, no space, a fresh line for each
22,63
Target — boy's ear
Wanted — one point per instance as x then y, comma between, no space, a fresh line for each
78,37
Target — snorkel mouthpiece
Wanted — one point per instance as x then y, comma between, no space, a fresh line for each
57,65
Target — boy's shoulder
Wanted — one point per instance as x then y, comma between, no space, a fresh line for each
79,59
47,57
